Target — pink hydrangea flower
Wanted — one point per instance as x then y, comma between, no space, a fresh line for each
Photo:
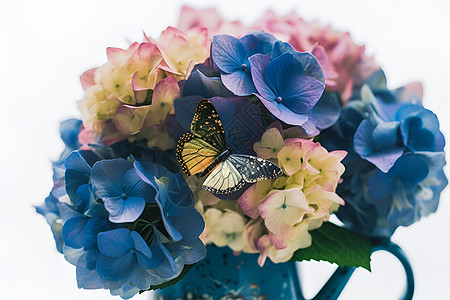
209,18
206,18
254,195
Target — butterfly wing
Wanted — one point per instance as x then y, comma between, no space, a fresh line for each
206,141
224,179
194,154
207,126
254,168
232,174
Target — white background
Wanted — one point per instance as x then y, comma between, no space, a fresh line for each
46,45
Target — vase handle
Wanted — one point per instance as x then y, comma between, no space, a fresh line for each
394,249
337,282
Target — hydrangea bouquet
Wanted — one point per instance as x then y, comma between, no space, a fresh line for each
220,133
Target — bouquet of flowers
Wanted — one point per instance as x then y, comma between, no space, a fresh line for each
220,133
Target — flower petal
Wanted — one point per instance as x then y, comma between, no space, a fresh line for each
73,232
239,82
106,177
129,119
228,53
258,63
283,113
124,210
116,268
115,243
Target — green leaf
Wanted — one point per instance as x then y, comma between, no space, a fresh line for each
183,273
336,245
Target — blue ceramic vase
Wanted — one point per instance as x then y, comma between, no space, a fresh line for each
223,275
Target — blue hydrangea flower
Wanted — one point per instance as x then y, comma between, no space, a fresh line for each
381,202
101,186
394,167
231,56
390,129
205,83
284,88
176,203
81,249
125,258
123,193
149,251
78,166
311,66
379,143
50,211
68,131
420,129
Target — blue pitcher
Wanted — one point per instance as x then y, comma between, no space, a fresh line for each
223,275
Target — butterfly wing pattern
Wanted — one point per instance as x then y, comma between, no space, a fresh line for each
253,168
195,154
204,151
238,169
206,141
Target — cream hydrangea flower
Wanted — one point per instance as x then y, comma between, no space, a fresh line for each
282,209
126,79
202,197
131,96
281,248
271,142
182,50
254,195
291,156
285,209
224,228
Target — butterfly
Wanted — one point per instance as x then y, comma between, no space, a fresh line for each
204,150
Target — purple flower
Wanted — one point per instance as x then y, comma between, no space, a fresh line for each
284,88
231,56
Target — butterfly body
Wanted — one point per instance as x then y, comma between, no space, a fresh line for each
204,151
221,158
